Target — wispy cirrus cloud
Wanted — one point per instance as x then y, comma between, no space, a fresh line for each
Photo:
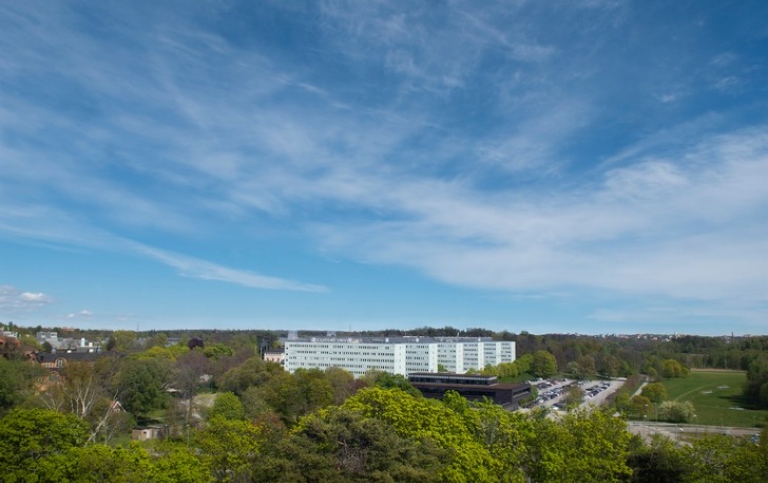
689,318
677,226
71,232
204,270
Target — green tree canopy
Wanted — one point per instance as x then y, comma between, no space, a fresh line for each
725,459
17,378
418,417
252,372
343,383
756,387
99,463
672,368
586,364
640,406
582,446
229,448
228,406
574,396
29,435
544,364
654,391
386,380
339,444
662,461
142,385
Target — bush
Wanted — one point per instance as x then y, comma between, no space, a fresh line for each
227,406
676,412
655,391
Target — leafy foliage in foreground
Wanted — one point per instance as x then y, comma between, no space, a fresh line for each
378,435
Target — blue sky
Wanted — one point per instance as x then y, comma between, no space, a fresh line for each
595,166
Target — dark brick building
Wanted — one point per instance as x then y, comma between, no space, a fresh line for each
474,387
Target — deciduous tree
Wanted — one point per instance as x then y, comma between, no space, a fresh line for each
640,406
586,365
574,397
672,368
544,364
228,406
29,435
387,380
186,377
582,446
343,383
654,391
229,448
662,461
17,379
756,387
418,417
252,372
725,459
339,444
142,385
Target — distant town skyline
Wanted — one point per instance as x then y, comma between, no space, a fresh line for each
593,167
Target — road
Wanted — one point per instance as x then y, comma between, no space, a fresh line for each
681,433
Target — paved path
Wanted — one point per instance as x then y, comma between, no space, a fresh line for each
684,432
639,389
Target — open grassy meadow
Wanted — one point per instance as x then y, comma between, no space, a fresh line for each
716,395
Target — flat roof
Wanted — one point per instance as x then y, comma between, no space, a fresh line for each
395,339
496,386
452,374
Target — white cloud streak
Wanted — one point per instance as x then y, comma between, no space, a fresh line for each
85,313
201,269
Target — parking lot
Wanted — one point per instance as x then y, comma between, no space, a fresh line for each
552,392
595,392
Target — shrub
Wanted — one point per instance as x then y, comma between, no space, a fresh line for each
676,411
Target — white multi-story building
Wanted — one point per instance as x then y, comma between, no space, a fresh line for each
397,355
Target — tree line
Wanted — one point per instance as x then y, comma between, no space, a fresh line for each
261,423
608,356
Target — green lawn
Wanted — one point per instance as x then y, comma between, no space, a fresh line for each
716,395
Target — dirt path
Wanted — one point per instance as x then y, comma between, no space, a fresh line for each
691,391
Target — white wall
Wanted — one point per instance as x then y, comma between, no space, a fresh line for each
359,357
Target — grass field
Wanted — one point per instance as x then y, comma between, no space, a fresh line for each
716,395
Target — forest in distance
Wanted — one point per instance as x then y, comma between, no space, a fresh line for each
225,414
